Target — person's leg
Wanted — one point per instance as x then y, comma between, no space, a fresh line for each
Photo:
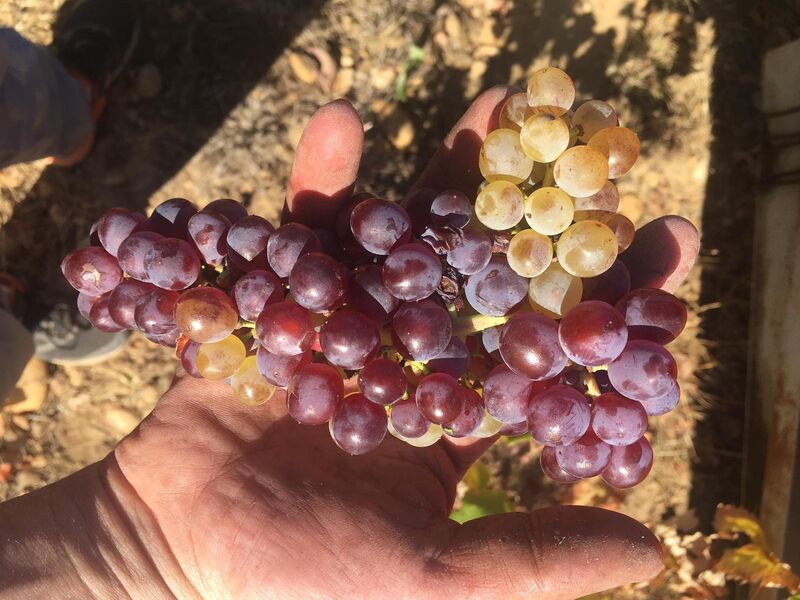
16,349
44,111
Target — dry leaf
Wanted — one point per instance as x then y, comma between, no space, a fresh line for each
752,564
303,68
327,69
730,521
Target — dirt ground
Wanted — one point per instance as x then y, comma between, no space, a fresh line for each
215,100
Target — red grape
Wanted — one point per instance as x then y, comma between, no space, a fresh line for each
663,404
412,272
529,346
314,392
171,217
168,339
172,264
247,242
285,329
610,286
453,360
116,225
368,294
629,465
653,315
188,356
277,369
512,429
451,208
439,398
255,290
379,225
208,230
617,420
100,317
155,311
122,301
496,289
418,207
585,457
206,314
593,333
551,467
382,381
643,371
85,303
132,251
506,395
318,282
407,419
358,425
287,244
349,338
91,271
230,209
471,252
471,415
558,416
421,330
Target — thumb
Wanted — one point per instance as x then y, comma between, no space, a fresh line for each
553,553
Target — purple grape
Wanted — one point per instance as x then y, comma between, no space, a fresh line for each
349,339
552,469
368,294
168,339
91,271
116,225
418,207
85,303
172,264
255,290
131,253
188,357
382,381
643,371
277,369
407,419
122,302
412,272
506,395
471,252
610,286
663,404
100,317
453,360
529,346
471,415
352,249
286,329
439,398
653,315
208,230
584,458
314,393
451,208
328,243
230,209
558,416
247,243
421,330
171,217
496,289
629,465
379,225
287,244
617,420
592,333
512,429
318,282
358,425
155,311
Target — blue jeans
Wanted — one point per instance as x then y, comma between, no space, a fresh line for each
44,111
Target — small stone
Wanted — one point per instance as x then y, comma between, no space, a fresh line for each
27,480
121,420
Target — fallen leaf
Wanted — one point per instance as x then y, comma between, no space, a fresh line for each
730,521
327,69
752,564
303,68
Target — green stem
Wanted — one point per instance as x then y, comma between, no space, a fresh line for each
465,326
548,176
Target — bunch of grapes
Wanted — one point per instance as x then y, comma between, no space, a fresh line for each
445,315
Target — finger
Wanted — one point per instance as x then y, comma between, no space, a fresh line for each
662,253
466,450
455,164
559,552
325,165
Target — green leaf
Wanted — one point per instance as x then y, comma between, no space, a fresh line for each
480,500
416,54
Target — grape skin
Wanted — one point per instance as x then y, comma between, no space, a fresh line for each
379,225
421,330
368,294
500,205
472,252
453,360
502,157
206,314
254,291
247,242
617,420
552,469
530,346
663,404
496,289
171,217
208,231
412,272
230,209
606,199
581,171
653,314
515,111
585,457
318,282
122,301
529,253
592,116
544,137
132,251
287,244
349,339
471,415
622,227
220,360
439,398
407,419
558,416
285,329
382,381
555,291
593,333
629,465
549,210
358,425
610,286
644,371
155,311
451,208
587,249
116,225
314,393
249,386
551,90
278,369
91,271
506,395
621,147
172,264
101,318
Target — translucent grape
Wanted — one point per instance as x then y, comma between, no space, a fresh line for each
552,469
471,253
506,395
621,147
407,420
368,294
230,209
171,217
489,426
593,333
206,314
502,157
116,225
592,116
653,315
122,301
549,210
421,330
287,244
558,416
624,230
382,381
208,230
132,251
617,420
91,271
644,371
663,404
318,282
495,290
249,385
439,398
247,243
380,225
358,425
100,317
172,264
515,111
610,286
220,360
585,457
285,329
429,438
453,360
606,199
529,253
544,137
471,415
529,346
278,369
314,392
555,291
412,272
629,465
451,208
500,205
255,290
551,90
587,249
581,171
155,311
349,339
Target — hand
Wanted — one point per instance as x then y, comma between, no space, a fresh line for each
212,499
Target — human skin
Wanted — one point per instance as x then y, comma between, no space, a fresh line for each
208,498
